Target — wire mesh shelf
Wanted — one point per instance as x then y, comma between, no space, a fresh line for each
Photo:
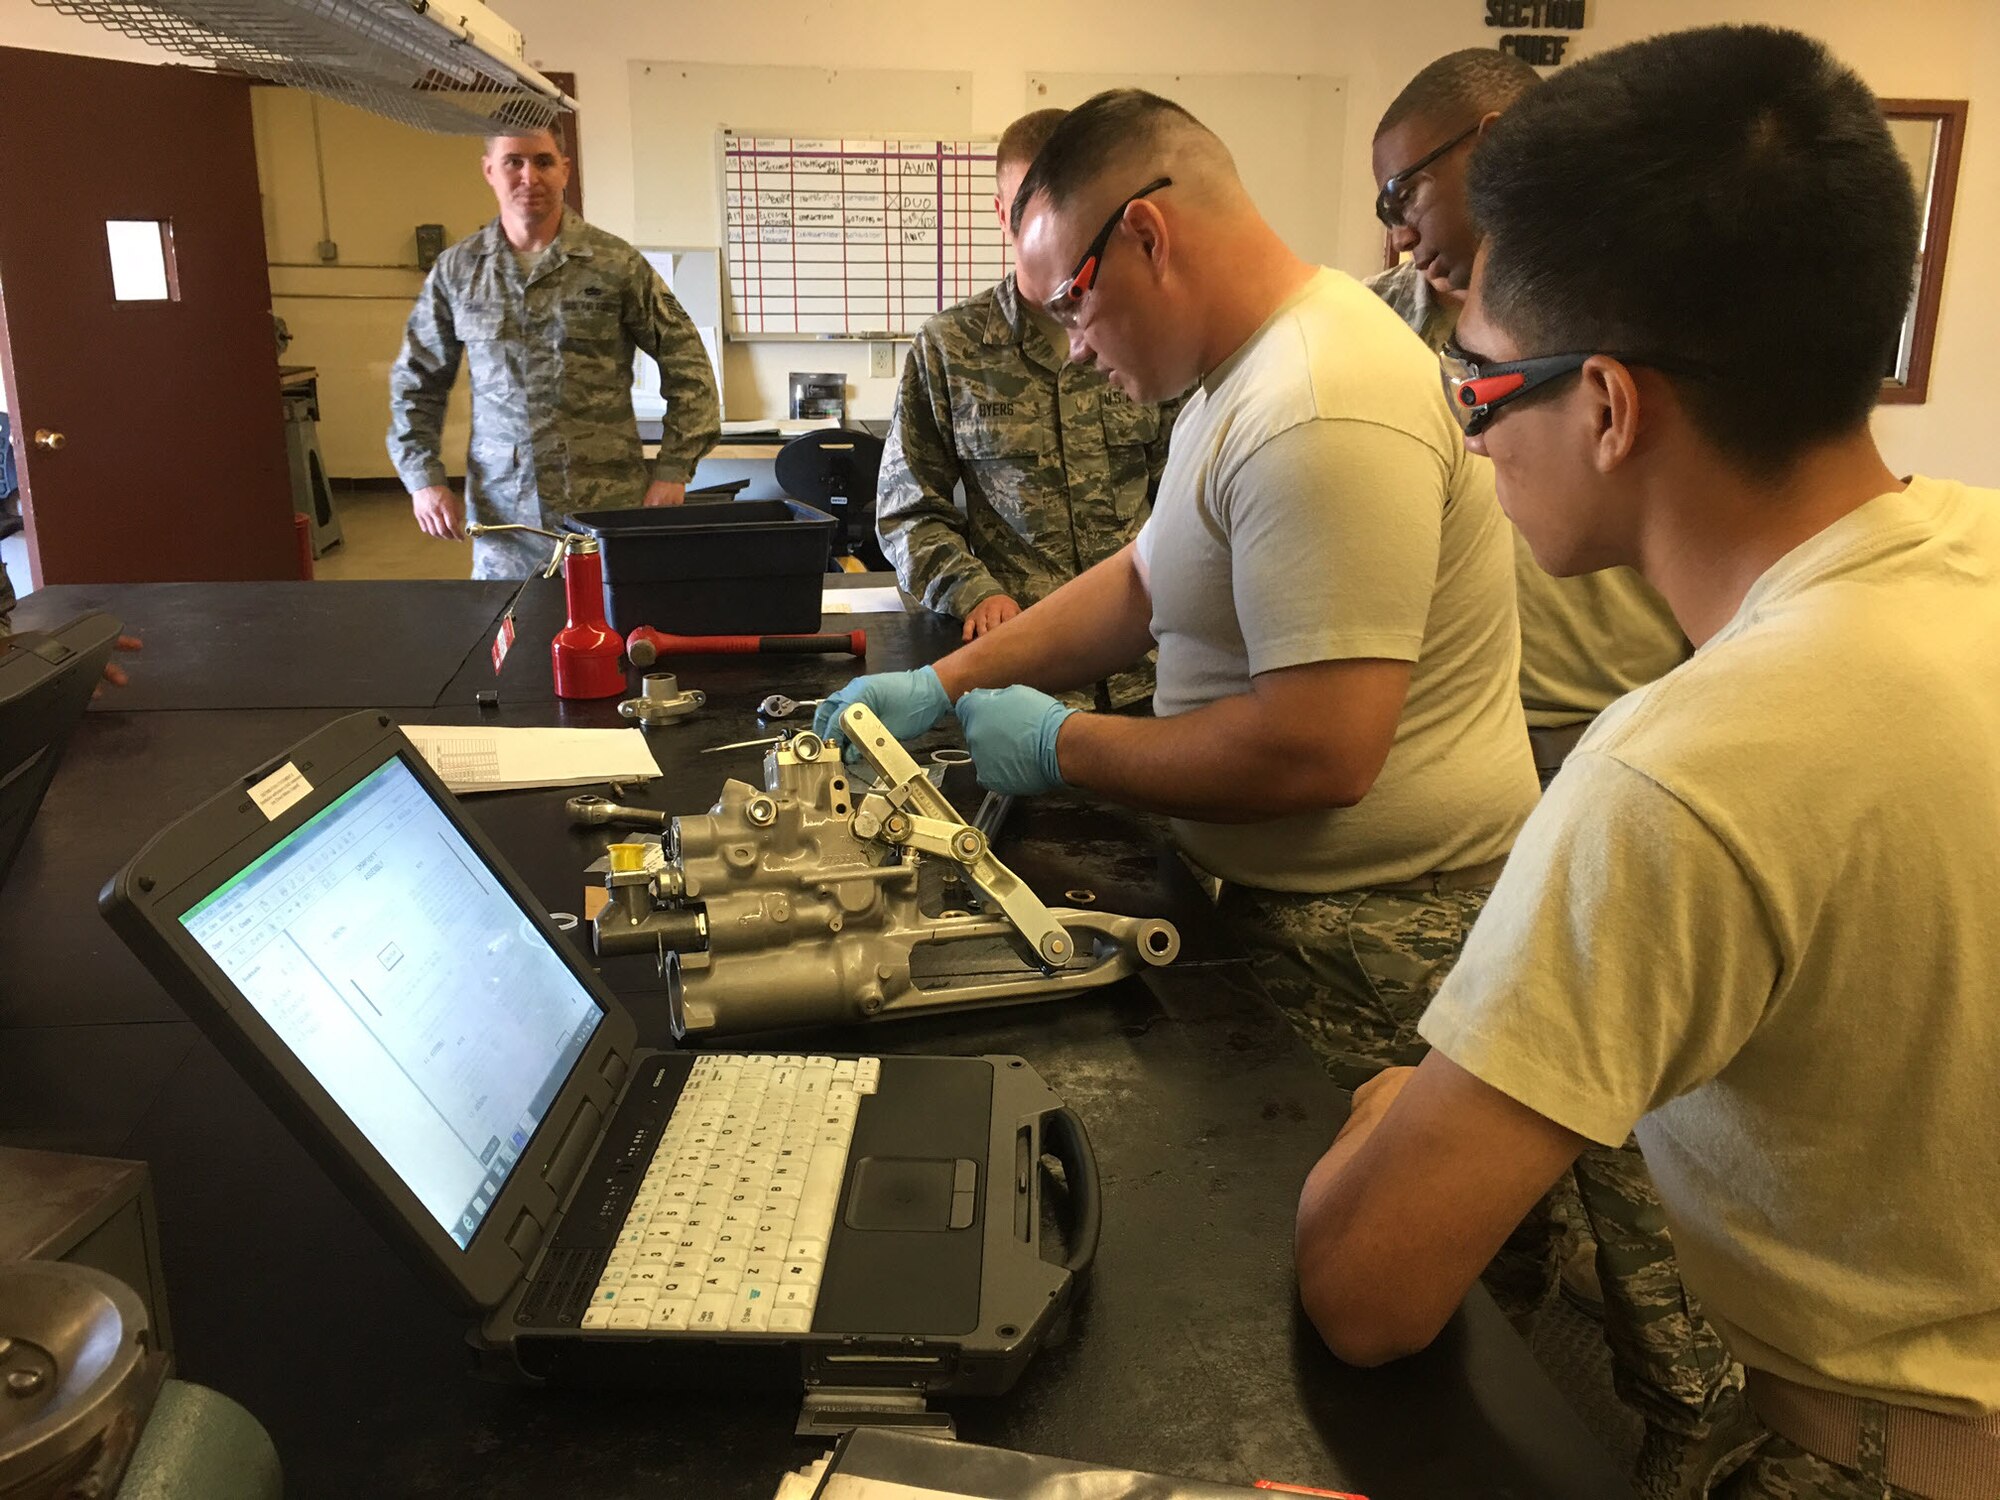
402,59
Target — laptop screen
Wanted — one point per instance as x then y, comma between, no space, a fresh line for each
386,955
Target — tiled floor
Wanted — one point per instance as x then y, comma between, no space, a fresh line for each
379,539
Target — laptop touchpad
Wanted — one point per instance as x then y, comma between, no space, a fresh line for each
903,1192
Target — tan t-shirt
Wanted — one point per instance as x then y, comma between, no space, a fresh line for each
1589,640
1319,505
1756,915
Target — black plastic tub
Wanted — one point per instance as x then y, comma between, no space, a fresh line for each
734,567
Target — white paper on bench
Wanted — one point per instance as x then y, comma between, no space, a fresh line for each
494,758
883,600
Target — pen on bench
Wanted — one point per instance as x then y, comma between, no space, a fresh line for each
1300,1489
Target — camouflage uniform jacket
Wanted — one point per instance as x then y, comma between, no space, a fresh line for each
549,356
1059,467
1411,298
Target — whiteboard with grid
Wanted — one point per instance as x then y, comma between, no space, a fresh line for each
840,237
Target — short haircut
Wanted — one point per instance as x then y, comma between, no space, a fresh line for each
1460,87
1726,199
553,130
1022,142
1106,128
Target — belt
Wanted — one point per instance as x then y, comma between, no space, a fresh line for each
1469,878
1437,883
1930,1454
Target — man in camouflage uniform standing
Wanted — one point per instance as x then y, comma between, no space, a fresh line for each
1585,640
1059,467
547,311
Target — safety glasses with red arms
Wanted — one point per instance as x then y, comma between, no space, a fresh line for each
1063,306
1477,388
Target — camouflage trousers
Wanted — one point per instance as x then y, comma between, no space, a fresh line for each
1667,1361
521,554
511,555
1782,1470
1353,971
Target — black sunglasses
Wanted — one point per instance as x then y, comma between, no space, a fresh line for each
1476,388
1062,306
1390,202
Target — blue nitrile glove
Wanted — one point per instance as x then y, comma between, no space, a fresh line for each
1011,733
907,703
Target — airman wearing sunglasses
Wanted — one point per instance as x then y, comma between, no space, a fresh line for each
1325,573
1585,641
1752,918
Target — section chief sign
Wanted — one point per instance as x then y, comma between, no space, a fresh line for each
1523,18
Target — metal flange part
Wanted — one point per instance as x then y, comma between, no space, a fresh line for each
661,701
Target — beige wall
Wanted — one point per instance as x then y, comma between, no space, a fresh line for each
346,318
392,179
1938,49
23,24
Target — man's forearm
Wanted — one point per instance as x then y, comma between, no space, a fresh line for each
693,421
923,534
930,556
661,328
1302,739
416,450
684,446
1430,1174
1098,623
1217,764
416,427
417,480
420,383
1371,1102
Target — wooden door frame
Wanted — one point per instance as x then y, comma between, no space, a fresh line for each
149,396
573,195
1949,116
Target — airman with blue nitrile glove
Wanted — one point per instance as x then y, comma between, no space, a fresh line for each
1012,734
1010,731
907,703
1326,573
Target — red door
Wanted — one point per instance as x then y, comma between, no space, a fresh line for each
144,387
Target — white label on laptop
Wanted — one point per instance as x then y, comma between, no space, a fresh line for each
279,791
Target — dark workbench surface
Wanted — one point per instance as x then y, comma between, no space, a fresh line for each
1186,1353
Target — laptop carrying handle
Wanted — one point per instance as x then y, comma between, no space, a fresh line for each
1064,1138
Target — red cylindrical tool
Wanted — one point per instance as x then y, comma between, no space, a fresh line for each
646,645
585,651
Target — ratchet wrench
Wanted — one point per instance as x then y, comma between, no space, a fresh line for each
778,706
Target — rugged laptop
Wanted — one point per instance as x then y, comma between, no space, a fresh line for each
375,970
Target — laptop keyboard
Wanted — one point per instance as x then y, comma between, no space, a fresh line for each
730,1224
